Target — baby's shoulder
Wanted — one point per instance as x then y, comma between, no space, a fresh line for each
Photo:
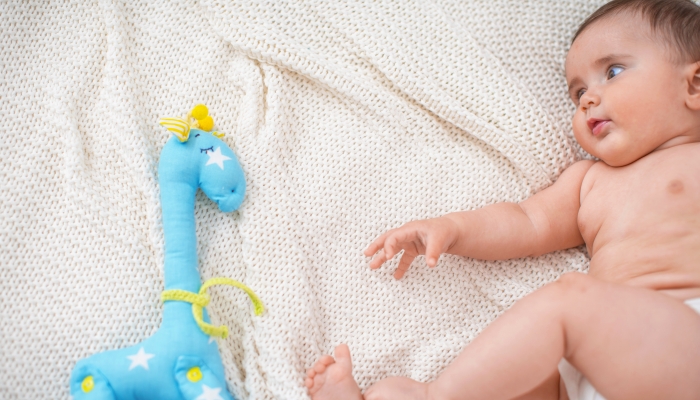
681,154
676,159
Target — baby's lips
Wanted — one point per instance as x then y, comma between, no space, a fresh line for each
599,127
596,125
591,122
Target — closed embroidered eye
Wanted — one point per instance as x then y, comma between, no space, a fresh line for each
207,149
614,71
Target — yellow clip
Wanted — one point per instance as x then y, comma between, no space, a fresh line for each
201,299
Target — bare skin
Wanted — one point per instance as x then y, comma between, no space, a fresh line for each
624,325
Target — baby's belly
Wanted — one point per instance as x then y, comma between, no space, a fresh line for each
671,265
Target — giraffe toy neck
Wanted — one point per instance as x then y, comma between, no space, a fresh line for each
203,161
180,360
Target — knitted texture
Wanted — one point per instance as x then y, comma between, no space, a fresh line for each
348,117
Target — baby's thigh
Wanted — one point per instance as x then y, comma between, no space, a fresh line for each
629,342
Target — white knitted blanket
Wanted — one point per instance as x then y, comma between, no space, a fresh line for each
348,117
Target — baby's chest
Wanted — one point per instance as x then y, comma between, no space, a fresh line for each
623,201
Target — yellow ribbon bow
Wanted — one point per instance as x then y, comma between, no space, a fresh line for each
201,299
197,118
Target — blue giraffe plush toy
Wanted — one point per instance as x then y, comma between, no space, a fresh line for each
181,360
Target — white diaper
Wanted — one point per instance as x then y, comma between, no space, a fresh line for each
578,387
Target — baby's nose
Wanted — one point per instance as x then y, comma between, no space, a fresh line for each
589,100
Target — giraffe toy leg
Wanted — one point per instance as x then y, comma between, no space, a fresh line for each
177,362
196,380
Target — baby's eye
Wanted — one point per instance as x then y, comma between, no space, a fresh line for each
580,93
614,71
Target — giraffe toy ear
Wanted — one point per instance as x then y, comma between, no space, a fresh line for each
178,126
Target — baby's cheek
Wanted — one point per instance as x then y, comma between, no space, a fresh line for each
582,134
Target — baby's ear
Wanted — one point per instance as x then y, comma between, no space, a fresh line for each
693,99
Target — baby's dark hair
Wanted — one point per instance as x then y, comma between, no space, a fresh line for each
677,21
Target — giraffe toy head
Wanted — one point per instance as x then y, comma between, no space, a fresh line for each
205,162
200,159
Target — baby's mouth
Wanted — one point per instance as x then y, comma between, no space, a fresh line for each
597,125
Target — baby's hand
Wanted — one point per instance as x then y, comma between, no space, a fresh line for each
430,237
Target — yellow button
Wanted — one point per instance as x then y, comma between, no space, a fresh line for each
200,111
88,384
194,374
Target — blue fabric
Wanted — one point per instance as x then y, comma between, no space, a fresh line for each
158,367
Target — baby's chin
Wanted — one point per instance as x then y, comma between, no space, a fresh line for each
614,162
620,157
614,151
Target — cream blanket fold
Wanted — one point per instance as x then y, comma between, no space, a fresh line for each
348,117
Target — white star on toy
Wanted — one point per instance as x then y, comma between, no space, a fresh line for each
209,393
215,157
140,359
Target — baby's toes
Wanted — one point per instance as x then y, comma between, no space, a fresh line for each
309,383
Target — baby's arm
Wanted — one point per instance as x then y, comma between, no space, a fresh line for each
543,223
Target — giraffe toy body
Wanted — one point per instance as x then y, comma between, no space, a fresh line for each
180,361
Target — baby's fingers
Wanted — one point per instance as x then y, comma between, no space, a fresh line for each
378,260
376,245
404,265
400,239
433,249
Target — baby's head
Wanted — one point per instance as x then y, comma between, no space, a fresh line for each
633,72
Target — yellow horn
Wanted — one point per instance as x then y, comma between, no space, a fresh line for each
199,112
177,126
206,123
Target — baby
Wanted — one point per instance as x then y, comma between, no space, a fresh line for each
631,325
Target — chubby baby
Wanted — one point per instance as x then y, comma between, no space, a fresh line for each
629,328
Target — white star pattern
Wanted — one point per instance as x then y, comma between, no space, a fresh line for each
215,157
140,359
209,393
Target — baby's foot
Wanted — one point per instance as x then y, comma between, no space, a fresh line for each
331,379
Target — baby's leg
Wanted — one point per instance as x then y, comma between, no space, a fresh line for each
631,343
